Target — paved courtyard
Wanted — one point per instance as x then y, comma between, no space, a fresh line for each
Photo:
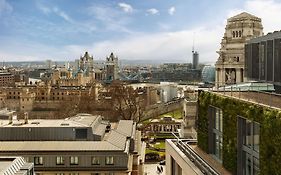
151,169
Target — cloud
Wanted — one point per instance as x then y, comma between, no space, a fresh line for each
167,46
5,7
267,10
111,19
62,14
172,10
126,7
55,10
153,11
43,8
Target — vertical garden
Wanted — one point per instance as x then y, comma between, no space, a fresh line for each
270,130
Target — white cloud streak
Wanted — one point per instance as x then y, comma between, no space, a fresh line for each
172,10
153,11
126,7
55,10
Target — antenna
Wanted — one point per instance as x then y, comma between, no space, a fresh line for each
193,42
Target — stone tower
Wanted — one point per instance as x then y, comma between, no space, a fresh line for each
112,67
86,63
230,64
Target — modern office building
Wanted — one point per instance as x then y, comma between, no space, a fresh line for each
83,144
15,166
195,59
230,64
263,59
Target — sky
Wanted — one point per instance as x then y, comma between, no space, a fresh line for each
62,30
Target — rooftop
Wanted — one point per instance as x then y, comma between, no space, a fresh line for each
269,99
115,141
203,163
13,165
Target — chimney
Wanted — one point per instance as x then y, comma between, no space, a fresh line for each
25,118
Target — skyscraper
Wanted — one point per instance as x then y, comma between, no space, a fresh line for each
195,59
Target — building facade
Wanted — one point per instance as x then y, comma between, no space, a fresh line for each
7,79
240,133
195,59
83,144
263,59
230,68
167,124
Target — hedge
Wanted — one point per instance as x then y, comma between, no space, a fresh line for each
270,131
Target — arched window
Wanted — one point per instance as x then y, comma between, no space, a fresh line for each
240,33
236,33
233,34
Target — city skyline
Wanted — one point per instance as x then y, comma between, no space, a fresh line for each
134,30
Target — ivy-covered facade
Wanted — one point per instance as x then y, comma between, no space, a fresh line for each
267,118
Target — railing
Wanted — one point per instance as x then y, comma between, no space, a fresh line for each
263,95
183,145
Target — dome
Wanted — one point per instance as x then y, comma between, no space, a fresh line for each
208,74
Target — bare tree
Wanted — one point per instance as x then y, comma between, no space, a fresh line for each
122,99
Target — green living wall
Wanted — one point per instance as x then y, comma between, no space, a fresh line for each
270,131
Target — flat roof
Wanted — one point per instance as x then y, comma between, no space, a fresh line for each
116,141
23,146
267,99
80,120
269,36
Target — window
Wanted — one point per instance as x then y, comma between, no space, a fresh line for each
73,173
109,160
59,173
59,160
240,33
215,132
95,160
81,133
38,160
74,160
233,34
248,146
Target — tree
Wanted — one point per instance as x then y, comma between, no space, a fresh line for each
123,100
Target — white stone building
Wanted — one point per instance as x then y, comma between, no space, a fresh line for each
230,66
